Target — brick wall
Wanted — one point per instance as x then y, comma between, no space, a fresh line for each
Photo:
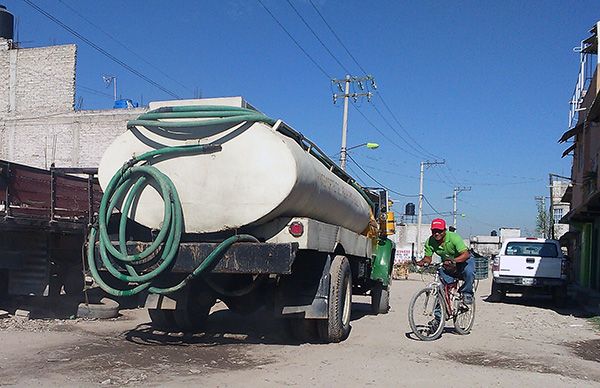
74,139
39,80
38,124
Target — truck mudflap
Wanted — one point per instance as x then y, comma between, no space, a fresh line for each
383,260
240,258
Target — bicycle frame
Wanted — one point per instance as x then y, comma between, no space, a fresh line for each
448,291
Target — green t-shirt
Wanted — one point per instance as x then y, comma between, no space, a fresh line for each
452,246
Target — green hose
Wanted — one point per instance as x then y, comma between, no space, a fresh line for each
127,184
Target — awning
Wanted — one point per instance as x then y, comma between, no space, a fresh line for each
571,148
570,133
568,195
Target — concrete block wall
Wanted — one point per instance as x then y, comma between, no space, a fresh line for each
37,80
75,139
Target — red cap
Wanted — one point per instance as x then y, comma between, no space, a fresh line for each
438,223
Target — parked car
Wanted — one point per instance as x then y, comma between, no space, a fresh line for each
529,263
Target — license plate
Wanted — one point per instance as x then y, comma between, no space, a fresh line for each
528,281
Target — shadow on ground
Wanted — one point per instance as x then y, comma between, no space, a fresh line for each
571,307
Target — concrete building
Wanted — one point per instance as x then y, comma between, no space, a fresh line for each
38,123
583,137
558,207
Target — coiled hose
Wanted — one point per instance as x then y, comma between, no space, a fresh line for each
136,174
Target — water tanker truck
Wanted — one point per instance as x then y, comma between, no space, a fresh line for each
210,199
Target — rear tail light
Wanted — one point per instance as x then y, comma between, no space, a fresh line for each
496,264
296,229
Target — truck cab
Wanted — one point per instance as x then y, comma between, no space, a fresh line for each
529,263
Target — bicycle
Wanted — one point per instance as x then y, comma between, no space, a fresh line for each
438,302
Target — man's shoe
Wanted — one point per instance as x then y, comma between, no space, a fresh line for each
468,299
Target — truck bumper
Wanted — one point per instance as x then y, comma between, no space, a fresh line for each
240,258
522,281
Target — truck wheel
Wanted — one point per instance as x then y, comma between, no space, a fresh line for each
162,319
380,299
193,306
337,326
497,293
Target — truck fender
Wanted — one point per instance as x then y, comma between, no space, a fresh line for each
383,260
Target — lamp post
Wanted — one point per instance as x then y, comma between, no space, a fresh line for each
344,152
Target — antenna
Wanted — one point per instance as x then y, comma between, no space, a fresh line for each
108,79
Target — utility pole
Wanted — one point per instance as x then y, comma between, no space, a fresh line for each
420,215
360,81
454,195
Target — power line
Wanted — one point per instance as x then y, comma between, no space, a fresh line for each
376,181
383,134
94,91
317,37
337,37
431,206
293,39
394,129
378,94
402,127
101,50
125,46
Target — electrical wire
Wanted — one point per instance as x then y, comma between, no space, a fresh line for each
383,134
376,181
424,150
294,40
101,50
140,57
317,37
337,37
430,205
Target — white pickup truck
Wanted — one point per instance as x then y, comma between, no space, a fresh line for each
528,263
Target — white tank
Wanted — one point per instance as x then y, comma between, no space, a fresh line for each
258,175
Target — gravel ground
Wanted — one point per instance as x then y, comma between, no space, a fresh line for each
523,341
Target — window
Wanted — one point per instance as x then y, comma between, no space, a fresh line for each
558,214
526,248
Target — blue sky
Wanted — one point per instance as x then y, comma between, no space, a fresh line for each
483,85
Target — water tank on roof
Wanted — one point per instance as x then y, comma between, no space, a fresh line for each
6,23
494,233
410,209
125,104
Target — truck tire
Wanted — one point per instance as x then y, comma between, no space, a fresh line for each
497,293
193,306
336,327
380,299
105,309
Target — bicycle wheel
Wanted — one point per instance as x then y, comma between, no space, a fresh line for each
426,314
464,317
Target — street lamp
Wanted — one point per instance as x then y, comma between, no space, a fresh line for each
344,152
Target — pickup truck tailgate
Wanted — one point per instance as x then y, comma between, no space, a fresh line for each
543,267
531,258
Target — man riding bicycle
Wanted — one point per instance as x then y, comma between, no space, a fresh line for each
456,258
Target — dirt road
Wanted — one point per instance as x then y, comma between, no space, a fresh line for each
522,342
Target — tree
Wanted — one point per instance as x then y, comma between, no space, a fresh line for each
542,223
